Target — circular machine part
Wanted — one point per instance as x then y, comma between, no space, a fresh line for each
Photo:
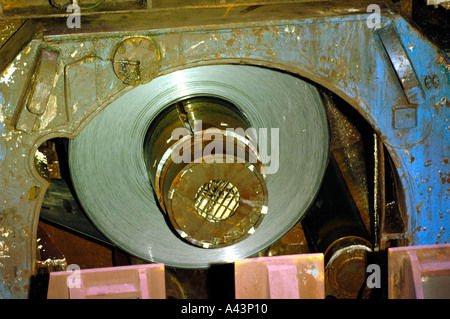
217,200
135,60
107,159
206,171
346,262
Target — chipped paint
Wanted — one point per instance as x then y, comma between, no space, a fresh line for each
418,208
196,45
50,113
445,177
4,250
4,232
7,75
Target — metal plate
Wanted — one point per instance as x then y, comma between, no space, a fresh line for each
110,177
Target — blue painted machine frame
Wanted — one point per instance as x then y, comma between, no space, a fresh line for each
397,79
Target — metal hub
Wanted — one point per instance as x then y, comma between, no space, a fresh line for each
216,200
201,171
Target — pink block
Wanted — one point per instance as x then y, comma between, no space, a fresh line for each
137,281
283,282
280,277
419,272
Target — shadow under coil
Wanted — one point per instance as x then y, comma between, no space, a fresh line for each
111,180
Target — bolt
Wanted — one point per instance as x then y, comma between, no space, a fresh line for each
431,81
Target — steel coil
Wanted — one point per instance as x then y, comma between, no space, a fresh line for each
111,180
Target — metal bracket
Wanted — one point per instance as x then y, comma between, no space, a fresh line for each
402,65
38,93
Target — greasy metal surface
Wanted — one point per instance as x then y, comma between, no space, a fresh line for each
346,262
49,258
333,214
348,145
41,8
329,46
432,21
435,3
48,154
45,8
379,186
8,28
207,233
292,243
77,248
335,228
23,32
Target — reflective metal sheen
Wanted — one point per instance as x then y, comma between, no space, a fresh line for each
108,168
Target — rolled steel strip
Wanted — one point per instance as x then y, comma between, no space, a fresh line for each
111,181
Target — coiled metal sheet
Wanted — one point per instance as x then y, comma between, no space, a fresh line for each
111,181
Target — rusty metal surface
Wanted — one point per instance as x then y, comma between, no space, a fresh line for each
436,3
349,146
346,261
379,182
335,228
47,152
333,214
10,9
49,257
292,243
77,249
313,45
136,60
8,28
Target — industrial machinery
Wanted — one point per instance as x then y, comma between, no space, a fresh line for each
195,134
